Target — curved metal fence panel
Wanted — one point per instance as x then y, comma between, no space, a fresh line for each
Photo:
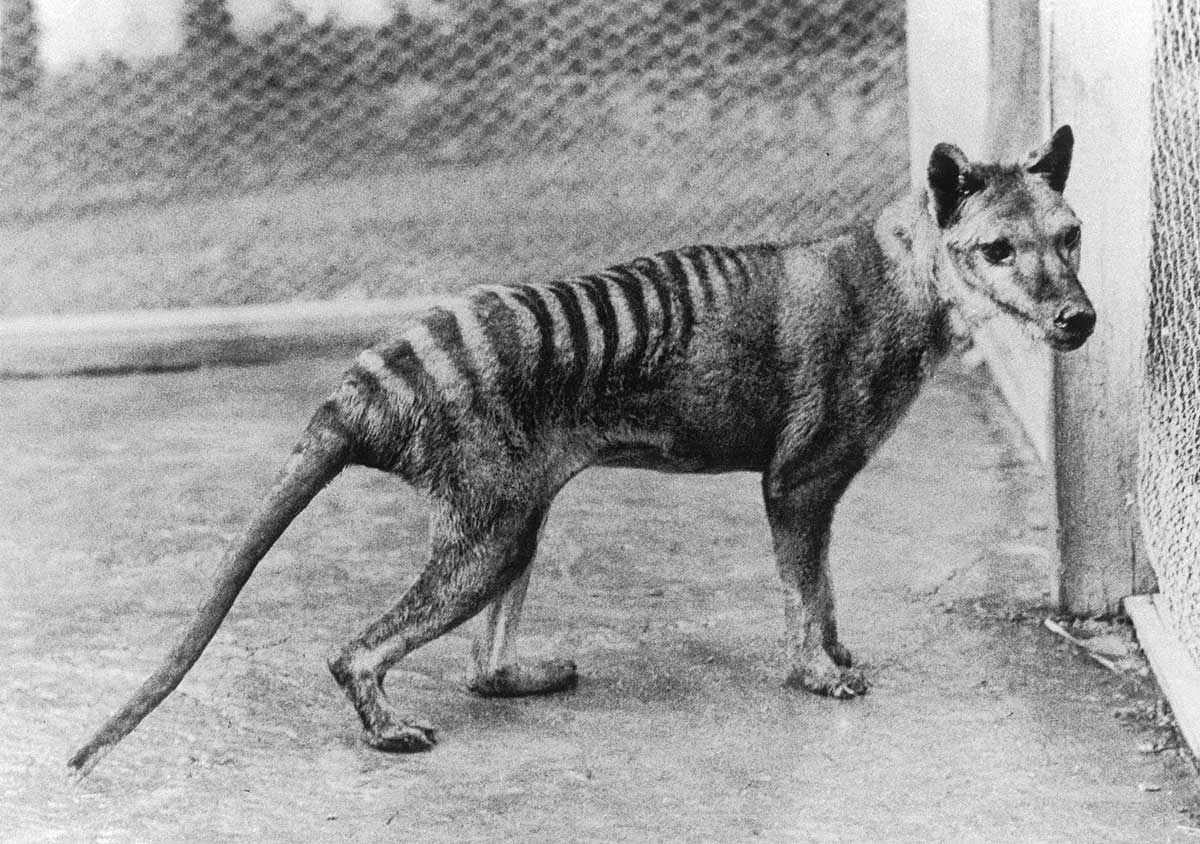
428,142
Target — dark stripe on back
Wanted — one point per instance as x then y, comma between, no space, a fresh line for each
374,412
565,293
368,387
440,425
695,258
677,283
532,299
735,268
596,289
402,362
652,272
500,326
632,289
443,327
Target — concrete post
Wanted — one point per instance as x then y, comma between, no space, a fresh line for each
1100,65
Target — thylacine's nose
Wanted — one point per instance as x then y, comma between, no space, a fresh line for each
1076,318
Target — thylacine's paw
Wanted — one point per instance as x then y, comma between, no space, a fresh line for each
840,654
383,728
406,736
518,679
823,677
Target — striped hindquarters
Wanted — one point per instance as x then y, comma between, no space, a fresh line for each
522,356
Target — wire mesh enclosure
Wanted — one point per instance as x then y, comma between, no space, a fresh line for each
1170,448
302,151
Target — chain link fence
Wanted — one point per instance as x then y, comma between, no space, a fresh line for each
1170,448
300,153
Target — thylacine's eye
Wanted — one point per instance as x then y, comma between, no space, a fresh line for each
998,252
1070,237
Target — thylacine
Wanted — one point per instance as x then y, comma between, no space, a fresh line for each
792,361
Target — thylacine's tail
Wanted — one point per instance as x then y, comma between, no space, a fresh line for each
322,452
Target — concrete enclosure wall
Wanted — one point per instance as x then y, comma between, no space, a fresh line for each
1100,60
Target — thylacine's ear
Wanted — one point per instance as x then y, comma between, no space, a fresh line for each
951,180
1053,160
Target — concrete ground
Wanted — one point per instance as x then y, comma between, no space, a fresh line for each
118,494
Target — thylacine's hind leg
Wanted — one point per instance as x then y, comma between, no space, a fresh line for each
495,670
475,556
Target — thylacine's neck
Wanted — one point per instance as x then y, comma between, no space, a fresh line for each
917,267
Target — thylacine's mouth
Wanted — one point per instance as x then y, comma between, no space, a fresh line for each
1065,340
1069,329
1059,335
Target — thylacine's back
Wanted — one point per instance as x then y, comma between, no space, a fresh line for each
667,361
793,361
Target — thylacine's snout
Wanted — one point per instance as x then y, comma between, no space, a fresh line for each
1073,324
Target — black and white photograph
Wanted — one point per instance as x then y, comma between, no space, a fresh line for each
556,421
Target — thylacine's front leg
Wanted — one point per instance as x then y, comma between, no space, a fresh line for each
800,515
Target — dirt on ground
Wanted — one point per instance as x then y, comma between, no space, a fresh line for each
118,495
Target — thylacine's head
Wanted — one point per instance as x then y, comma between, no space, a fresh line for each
1010,242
